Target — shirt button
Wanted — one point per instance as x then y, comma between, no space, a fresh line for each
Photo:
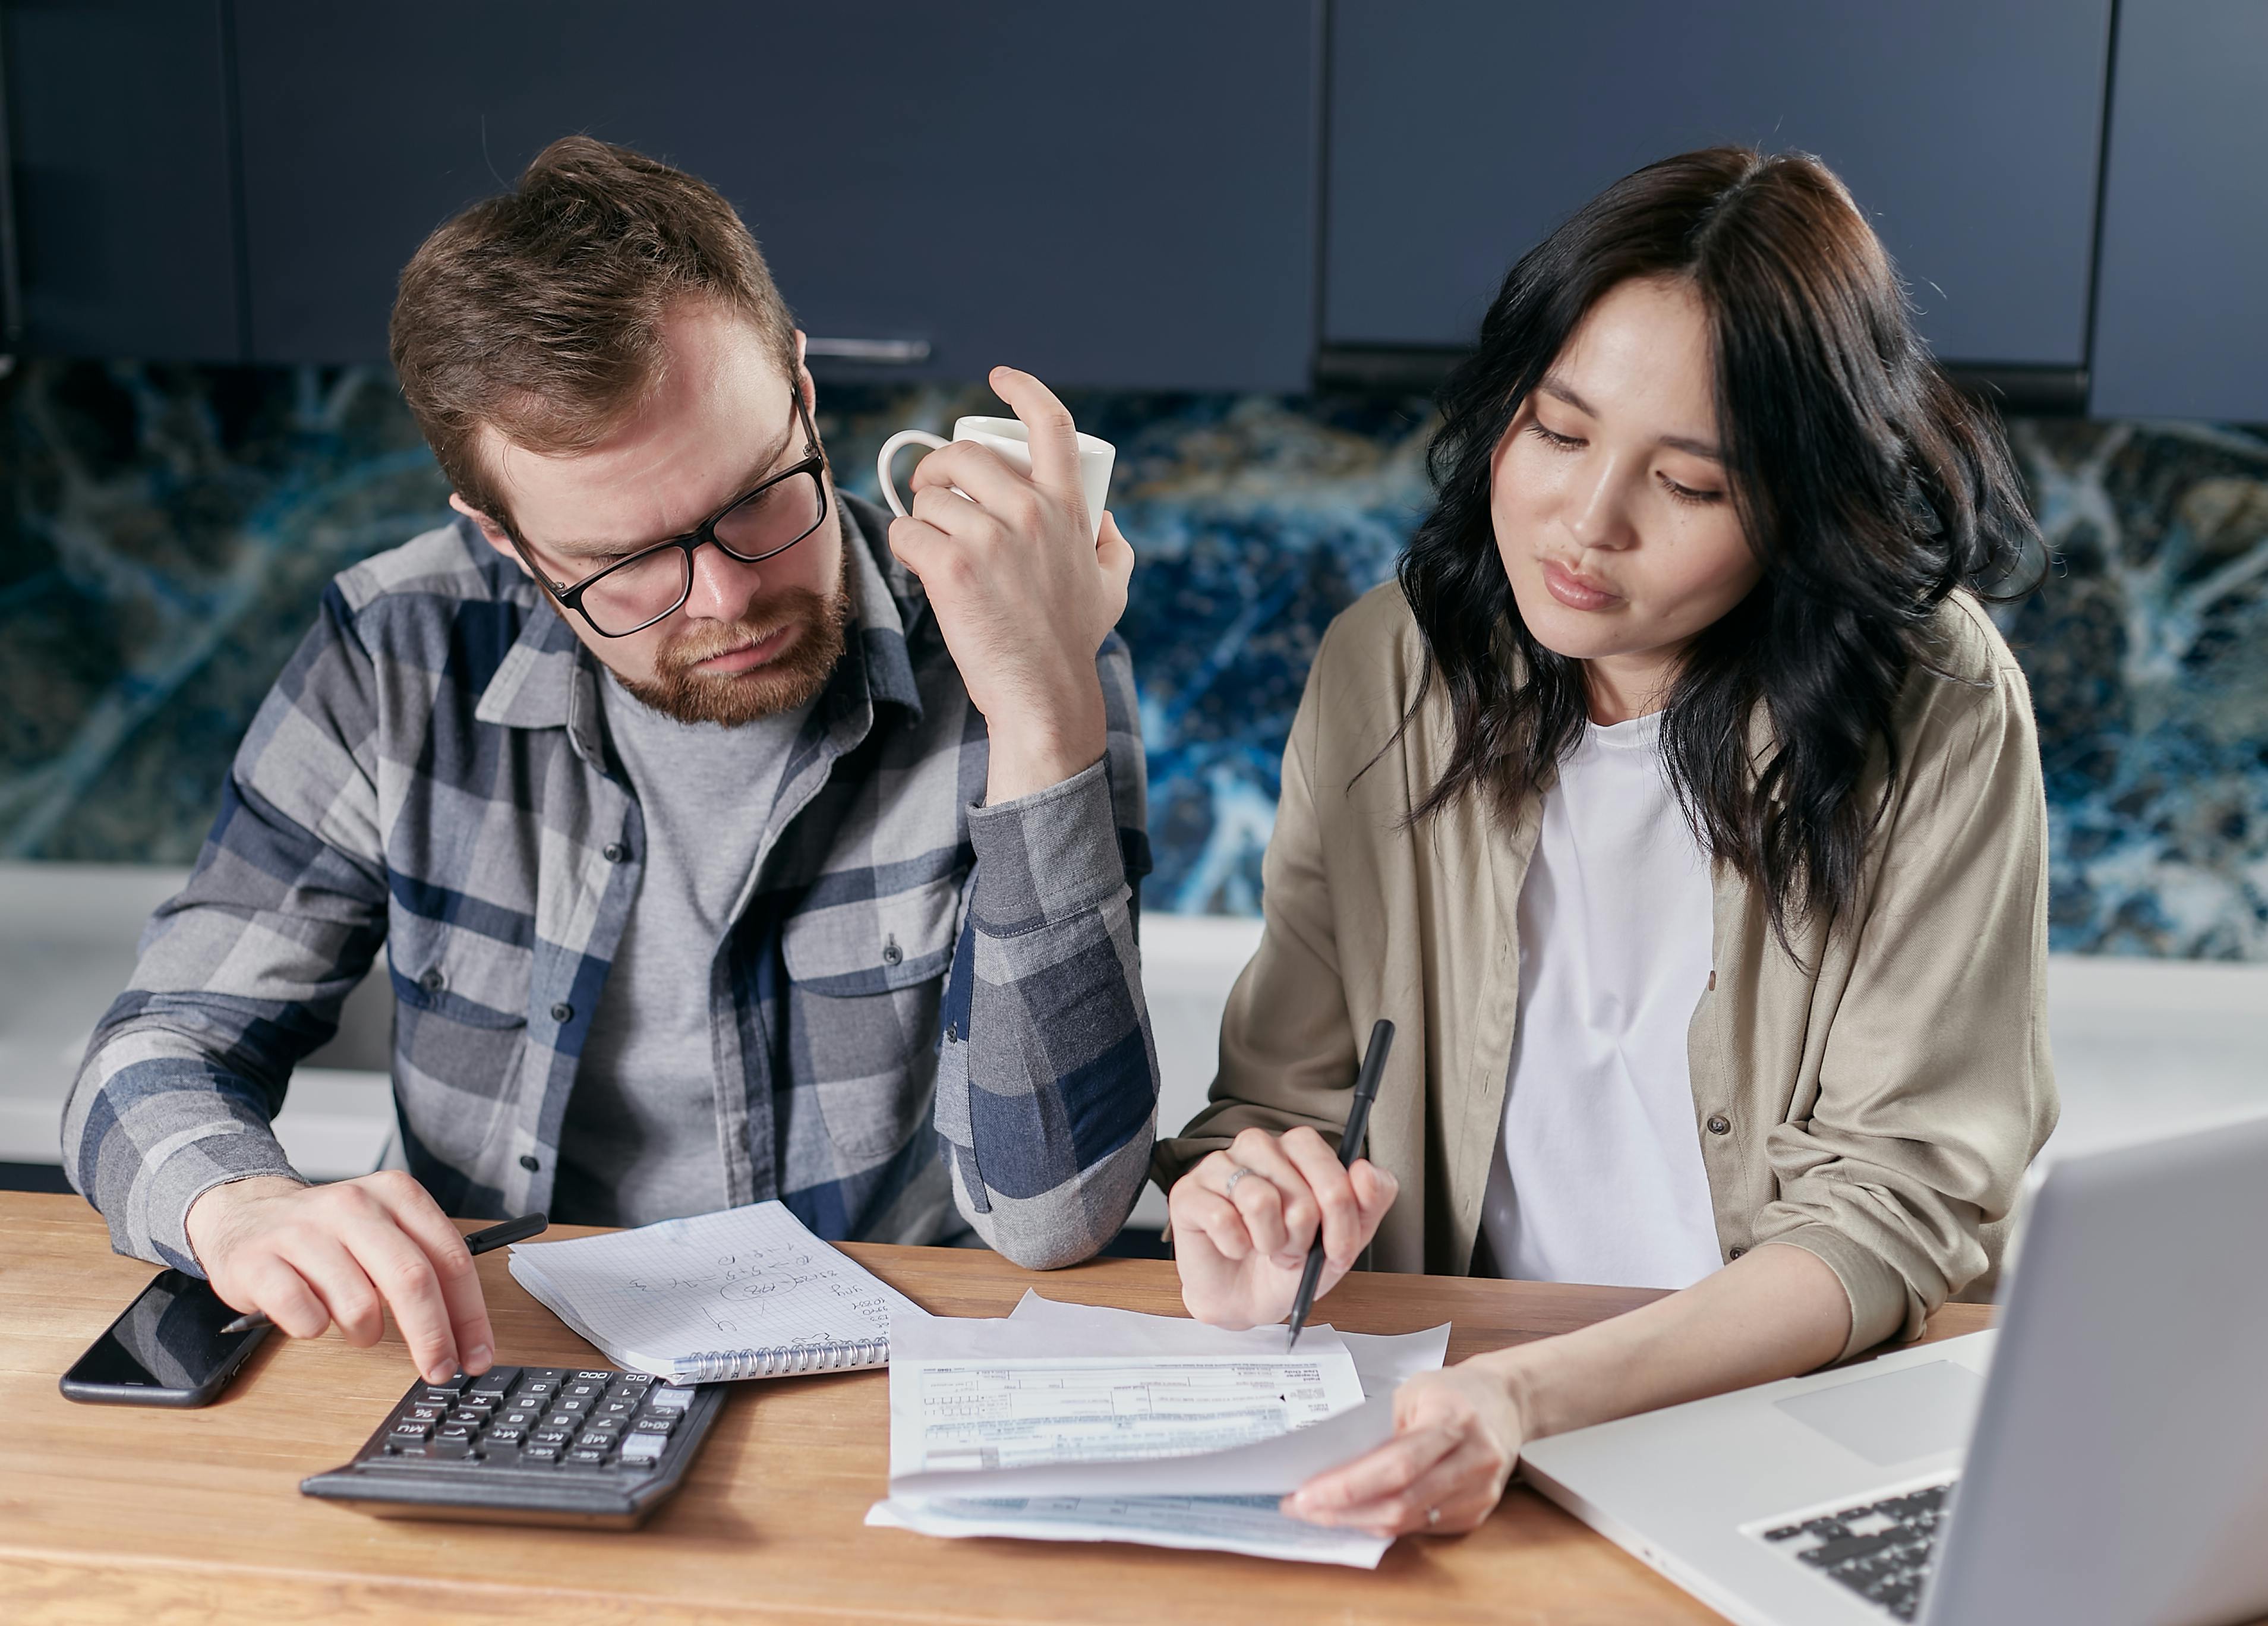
615,851
564,1012
1719,1123
528,1161
952,1032
891,953
432,981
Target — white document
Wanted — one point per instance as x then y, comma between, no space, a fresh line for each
748,1292
1382,1360
1209,1524
1069,1470
982,1399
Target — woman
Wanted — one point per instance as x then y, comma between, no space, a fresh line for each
1682,809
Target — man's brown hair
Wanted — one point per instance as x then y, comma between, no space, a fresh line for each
538,314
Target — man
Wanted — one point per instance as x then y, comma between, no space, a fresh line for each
720,841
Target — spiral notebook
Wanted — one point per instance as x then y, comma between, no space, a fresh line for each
744,1293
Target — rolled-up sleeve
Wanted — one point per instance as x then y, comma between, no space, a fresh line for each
1935,1085
244,973
1047,1087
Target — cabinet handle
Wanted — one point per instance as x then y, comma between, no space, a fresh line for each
883,352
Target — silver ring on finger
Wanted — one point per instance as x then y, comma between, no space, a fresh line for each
1433,1516
1234,1175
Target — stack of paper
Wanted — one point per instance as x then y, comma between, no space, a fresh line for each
1065,1422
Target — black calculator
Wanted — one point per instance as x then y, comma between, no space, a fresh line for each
529,1444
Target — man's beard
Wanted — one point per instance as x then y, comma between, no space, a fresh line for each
787,681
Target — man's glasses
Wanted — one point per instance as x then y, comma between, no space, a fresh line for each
633,594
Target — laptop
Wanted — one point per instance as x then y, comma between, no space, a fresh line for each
2100,1459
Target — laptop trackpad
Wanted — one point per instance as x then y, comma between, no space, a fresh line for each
1917,1412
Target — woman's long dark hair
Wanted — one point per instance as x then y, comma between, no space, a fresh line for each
1867,485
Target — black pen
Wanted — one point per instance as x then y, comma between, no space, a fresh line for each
480,1242
1365,1091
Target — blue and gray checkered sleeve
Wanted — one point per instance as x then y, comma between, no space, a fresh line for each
244,973
1047,1090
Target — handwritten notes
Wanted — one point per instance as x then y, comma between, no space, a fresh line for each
746,1292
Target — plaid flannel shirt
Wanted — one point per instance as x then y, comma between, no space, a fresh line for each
429,775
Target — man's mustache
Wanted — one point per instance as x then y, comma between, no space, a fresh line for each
799,607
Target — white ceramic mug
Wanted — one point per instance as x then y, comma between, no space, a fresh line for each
1009,437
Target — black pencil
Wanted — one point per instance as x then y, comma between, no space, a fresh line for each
1365,1091
480,1242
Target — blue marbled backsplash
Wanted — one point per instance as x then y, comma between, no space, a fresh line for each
170,529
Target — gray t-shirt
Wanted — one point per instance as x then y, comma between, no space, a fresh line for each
639,1144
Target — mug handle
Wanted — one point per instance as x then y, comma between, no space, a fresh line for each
904,437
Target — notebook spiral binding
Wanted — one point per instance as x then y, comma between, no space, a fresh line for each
722,1365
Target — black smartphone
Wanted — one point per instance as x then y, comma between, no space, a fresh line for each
167,1350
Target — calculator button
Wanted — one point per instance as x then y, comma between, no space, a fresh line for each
596,1377
616,1409
534,1453
454,1384
671,1399
585,1389
411,1431
578,1403
596,1439
585,1456
659,1421
544,1374
505,1433
496,1381
643,1448
456,1430
444,1398
424,1413
458,1449
520,1417
550,1436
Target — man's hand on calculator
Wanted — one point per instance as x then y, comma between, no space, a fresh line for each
311,1257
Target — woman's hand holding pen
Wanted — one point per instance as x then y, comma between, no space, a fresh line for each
1457,1434
1243,1220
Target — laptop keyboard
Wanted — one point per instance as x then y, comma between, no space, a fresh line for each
1880,1550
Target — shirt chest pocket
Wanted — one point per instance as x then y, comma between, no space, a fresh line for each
460,1019
865,979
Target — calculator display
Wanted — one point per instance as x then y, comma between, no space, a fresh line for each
168,1341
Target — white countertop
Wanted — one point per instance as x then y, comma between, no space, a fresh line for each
2141,1046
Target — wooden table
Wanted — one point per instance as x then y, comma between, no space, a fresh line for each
113,1513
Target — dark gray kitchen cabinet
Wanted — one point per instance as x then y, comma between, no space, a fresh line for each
1461,131
124,213
2180,321
1118,196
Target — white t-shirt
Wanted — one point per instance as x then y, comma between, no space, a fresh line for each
1598,1175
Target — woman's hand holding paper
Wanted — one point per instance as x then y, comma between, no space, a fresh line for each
1457,1435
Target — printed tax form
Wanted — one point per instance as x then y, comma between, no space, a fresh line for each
1068,1422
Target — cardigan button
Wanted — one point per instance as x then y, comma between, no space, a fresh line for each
1719,1123
615,852
528,1161
563,1012
1712,982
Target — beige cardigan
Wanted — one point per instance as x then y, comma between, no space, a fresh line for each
1878,1109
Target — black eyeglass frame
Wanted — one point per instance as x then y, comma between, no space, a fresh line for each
814,462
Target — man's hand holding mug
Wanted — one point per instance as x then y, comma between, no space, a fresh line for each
1026,572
